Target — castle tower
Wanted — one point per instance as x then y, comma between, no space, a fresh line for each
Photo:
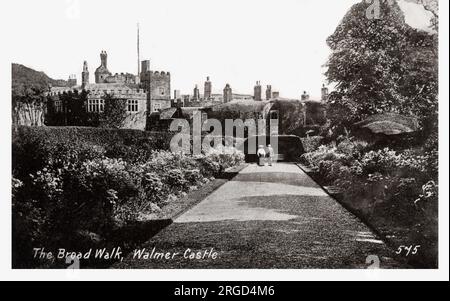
196,93
157,86
324,93
102,72
227,94
268,92
257,91
85,75
208,89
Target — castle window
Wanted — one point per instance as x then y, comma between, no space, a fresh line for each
162,91
204,117
156,107
132,105
58,106
273,115
96,105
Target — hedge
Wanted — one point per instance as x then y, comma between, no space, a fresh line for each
33,147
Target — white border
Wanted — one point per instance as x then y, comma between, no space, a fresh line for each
215,275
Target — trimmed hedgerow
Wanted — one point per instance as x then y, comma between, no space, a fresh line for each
34,147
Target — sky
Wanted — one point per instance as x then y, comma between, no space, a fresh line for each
277,42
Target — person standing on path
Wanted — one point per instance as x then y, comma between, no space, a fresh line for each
270,154
261,155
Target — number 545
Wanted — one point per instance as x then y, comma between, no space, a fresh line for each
408,250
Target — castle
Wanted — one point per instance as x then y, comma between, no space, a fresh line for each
146,93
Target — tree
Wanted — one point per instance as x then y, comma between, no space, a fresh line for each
28,106
74,103
381,65
366,59
114,113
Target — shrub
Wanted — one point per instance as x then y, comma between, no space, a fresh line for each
383,161
312,143
79,185
352,148
323,153
428,199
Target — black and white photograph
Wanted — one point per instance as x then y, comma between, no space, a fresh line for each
196,136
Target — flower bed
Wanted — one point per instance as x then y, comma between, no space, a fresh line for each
395,192
84,188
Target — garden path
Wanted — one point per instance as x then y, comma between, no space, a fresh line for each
266,217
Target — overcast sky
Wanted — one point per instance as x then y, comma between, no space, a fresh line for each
278,42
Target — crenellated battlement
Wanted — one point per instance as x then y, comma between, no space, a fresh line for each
159,73
98,91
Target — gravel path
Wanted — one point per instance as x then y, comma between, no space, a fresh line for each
266,217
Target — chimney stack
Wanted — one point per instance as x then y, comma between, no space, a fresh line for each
257,91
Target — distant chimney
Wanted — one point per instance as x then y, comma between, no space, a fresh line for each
257,91
72,82
305,96
104,59
208,89
85,75
324,93
227,94
196,93
268,92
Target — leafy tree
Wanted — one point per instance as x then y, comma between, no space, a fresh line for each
74,112
52,116
114,113
381,65
75,104
366,59
28,106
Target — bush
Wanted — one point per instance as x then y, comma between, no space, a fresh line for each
312,143
352,148
322,154
78,185
382,161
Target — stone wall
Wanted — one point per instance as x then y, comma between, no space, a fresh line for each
159,104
